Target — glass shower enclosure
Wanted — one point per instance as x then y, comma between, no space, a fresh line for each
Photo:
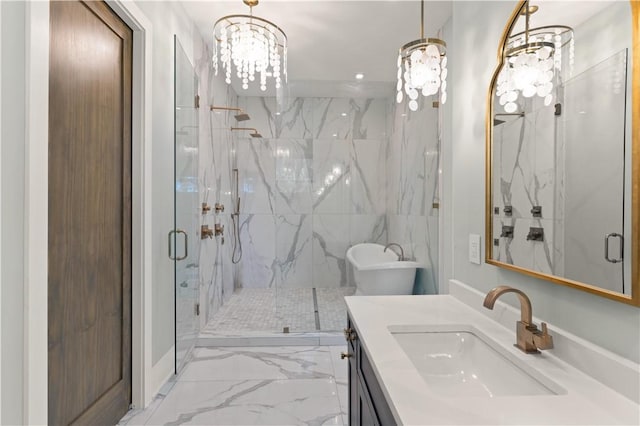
185,235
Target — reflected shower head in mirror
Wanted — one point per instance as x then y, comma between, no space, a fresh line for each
497,121
240,116
255,135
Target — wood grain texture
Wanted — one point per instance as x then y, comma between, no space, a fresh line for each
89,214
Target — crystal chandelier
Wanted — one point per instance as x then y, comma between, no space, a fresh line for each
253,45
534,60
425,68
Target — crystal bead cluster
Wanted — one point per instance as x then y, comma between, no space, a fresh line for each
252,46
424,71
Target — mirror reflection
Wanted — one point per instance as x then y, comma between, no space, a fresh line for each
561,145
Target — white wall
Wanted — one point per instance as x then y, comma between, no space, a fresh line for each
478,28
12,155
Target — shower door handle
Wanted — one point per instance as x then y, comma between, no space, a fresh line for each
186,244
606,247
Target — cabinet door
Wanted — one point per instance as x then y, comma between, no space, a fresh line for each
366,412
353,391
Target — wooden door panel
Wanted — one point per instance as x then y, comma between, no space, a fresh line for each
89,214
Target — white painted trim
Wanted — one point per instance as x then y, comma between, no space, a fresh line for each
0,215
130,13
36,212
162,371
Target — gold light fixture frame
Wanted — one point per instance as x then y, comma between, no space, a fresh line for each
422,43
634,257
256,23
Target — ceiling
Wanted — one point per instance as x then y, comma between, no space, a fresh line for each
332,40
329,41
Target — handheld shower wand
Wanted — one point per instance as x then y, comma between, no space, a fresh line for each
235,217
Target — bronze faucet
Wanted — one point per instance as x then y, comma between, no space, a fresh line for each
528,338
401,255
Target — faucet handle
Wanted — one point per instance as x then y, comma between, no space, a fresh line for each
543,340
545,331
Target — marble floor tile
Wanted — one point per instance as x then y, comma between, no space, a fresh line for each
340,366
289,385
290,362
251,402
272,309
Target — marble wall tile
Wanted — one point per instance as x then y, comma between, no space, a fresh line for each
257,176
413,160
290,118
330,244
367,118
367,228
536,255
546,164
294,251
332,176
258,267
294,118
368,176
294,173
332,118
262,112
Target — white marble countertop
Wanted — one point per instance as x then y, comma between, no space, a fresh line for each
413,402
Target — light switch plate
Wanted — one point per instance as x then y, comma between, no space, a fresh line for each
474,248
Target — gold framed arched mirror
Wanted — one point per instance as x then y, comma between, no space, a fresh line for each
563,147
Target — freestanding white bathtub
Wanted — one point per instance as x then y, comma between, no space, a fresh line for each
377,272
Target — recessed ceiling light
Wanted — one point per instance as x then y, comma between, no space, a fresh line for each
359,76
344,114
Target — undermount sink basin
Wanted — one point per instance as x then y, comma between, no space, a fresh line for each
462,362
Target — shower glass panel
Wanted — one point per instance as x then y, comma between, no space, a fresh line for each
186,208
594,176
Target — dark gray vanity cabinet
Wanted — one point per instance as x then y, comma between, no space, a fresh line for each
367,404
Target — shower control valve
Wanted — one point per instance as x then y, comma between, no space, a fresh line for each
206,232
219,208
205,208
218,229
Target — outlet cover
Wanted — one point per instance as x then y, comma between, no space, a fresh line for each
474,248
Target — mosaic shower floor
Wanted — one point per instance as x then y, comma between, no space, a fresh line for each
301,310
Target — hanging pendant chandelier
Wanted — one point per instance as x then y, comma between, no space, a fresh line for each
534,61
254,47
422,68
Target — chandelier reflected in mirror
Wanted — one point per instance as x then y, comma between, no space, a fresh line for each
422,68
250,47
533,62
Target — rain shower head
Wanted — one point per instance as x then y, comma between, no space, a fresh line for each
243,116
497,122
254,133
240,116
